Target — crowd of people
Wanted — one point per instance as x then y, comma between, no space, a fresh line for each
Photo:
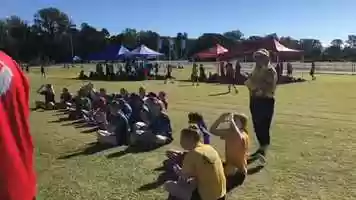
141,120
131,70
123,119
227,75
200,172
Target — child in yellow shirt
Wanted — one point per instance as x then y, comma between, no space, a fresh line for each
202,174
236,146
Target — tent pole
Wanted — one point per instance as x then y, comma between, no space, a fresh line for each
277,58
169,56
218,65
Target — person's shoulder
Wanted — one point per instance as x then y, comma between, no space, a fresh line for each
204,149
191,156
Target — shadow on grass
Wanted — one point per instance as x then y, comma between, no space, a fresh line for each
166,175
132,150
161,179
219,94
232,182
37,110
92,130
190,85
62,119
59,114
89,150
254,170
85,125
76,122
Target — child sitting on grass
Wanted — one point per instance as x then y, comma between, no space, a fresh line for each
202,175
66,99
196,121
99,114
162,96
48,92
236,145
196,118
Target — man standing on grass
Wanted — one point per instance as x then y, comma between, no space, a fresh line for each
17,176
262,85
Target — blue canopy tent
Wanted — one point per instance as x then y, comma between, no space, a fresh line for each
145,52
112,52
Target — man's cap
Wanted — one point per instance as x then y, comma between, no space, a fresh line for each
261,52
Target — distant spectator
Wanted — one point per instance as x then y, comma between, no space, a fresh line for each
289,69
194,75
230,77
43,72
156,68
169,74
312,71
202,75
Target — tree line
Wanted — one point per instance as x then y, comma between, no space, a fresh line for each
52,36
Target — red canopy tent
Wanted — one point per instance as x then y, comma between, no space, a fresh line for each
213,52
272,45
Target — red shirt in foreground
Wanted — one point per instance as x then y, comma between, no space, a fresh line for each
17,176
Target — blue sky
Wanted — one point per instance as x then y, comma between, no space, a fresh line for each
321,19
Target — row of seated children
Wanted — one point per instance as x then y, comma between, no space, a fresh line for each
135,119
50,103
201,174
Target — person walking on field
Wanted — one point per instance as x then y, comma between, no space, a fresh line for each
194,76
17,174
230,78
43,72
312,71
262,85
168,74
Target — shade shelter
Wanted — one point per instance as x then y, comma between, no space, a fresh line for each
123,51
272,45
144,52
213,52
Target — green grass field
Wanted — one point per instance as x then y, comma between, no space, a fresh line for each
312,155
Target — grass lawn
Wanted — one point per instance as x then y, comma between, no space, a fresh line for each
312,155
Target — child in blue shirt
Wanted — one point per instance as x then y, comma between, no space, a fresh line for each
196,118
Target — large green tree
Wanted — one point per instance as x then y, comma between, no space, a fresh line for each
235,35
54,37
52,24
